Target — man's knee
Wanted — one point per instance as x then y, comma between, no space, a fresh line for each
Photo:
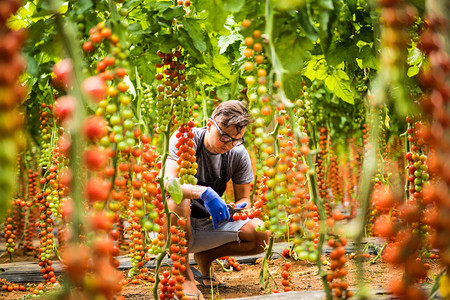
250,234
262,240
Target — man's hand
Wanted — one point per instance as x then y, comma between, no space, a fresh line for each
241,205
216,207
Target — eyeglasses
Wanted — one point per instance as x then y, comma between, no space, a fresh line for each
225,138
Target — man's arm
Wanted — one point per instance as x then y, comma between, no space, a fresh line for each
189,191
242,193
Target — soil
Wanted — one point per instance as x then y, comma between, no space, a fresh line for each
245,283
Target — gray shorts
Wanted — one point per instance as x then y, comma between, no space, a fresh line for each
205,237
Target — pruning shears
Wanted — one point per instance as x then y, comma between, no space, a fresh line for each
233,210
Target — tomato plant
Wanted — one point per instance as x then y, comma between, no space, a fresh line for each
349,101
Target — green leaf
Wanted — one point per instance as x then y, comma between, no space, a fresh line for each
307,24
175,191
19,20
35,31
420,5
413,71
289,5
30,82
288,43
311,67
291,84
173,13
32,65
321,71
234,78
210,75
159,5
83,6
216,15
415,56
324,19
221,64
339,52
368,58
226,40
194,30
339,83
233,5
365,34
352,5
135,28
327,4
182,36
167,43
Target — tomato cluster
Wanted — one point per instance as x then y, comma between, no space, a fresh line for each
383,176
187,165
185,3
286,280
167,288
9,286
113,100
435,132
306,232
417,168
172,93
12,92
402,231
137,247
232,262
179,254
144,216
304,107
46,122
148,99
334,178
96,35
244,215
91,270
338,272
32,211
355,166
321,158
386,204
256,71
10,236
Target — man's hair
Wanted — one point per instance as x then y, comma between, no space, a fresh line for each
232,113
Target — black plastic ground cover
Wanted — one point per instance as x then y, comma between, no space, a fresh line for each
30,271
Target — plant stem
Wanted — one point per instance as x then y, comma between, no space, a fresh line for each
374,260
72,49
205,112
166,210
312,182
368,169
265,267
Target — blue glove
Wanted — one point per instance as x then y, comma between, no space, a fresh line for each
241,205
216,207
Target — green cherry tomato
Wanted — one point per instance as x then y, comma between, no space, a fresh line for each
128,113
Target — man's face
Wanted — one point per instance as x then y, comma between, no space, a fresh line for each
222,139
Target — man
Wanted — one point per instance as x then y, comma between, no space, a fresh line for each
210,231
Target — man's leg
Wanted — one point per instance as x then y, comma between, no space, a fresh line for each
184,210
251,242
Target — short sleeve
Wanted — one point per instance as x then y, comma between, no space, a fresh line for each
243,172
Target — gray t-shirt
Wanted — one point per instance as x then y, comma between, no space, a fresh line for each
239,163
